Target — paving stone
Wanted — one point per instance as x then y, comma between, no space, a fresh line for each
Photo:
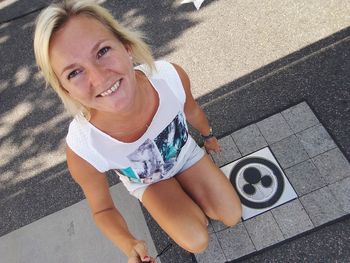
229,152
300,117
292,218
332,165
305,177
274,128
316,140
210,227
213,253
235,242
249,139
321,206
289,151
263,230
217,225
341,192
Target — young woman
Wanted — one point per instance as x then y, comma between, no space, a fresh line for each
131,119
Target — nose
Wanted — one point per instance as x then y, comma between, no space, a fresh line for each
97,75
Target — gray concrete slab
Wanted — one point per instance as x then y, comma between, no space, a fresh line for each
332,165
340,190
305,177
292,219
263,230
321,206
70,235
213,253
316,140
235,242
217,225
327,244
274,128
300,117
249,139
289,152
229,152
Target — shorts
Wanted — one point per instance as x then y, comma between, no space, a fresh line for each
196,154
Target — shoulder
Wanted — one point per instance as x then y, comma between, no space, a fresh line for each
185,80
82,171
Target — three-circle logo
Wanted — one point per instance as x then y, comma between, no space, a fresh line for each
258,182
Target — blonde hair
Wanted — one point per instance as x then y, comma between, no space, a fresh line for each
55,17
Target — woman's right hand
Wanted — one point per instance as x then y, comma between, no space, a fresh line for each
139,253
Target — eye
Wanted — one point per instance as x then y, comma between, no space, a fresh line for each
73,74
102,51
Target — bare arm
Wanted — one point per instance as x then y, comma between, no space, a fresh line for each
108,219
194,113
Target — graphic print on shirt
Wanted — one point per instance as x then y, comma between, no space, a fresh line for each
153,159
171,140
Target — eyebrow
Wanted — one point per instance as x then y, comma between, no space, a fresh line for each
93,50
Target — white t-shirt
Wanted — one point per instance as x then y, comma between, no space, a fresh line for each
158,154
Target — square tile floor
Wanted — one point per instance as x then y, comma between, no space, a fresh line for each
314,166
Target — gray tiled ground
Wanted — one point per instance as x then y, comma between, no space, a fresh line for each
316,140
263,230
322,206
332,165
292,218
217,225
300,117
274,128
229,152
213,253
341,192
305,177
235,242
289,151
249,139
316,168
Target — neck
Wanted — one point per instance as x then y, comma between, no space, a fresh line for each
120,123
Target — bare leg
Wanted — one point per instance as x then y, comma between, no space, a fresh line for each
177,214
206,184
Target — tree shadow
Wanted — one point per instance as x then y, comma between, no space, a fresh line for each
33,122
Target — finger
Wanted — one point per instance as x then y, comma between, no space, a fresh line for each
141,249
147,259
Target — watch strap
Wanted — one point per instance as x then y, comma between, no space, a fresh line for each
210,135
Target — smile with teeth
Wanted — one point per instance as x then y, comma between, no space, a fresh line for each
111,89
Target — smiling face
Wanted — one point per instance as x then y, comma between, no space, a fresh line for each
93,66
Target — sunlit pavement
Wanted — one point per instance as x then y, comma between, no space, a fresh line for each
250,63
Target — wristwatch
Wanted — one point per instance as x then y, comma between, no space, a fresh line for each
210,135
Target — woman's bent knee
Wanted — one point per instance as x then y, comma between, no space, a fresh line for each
233,218
196,242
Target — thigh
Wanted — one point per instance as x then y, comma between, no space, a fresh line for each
177,214
207,185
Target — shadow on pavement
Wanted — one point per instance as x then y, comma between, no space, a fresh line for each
33,123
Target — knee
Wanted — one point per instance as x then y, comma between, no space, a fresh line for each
233,218
196,241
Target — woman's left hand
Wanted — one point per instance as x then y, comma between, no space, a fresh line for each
212,145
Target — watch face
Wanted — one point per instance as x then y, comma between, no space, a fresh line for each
210,135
